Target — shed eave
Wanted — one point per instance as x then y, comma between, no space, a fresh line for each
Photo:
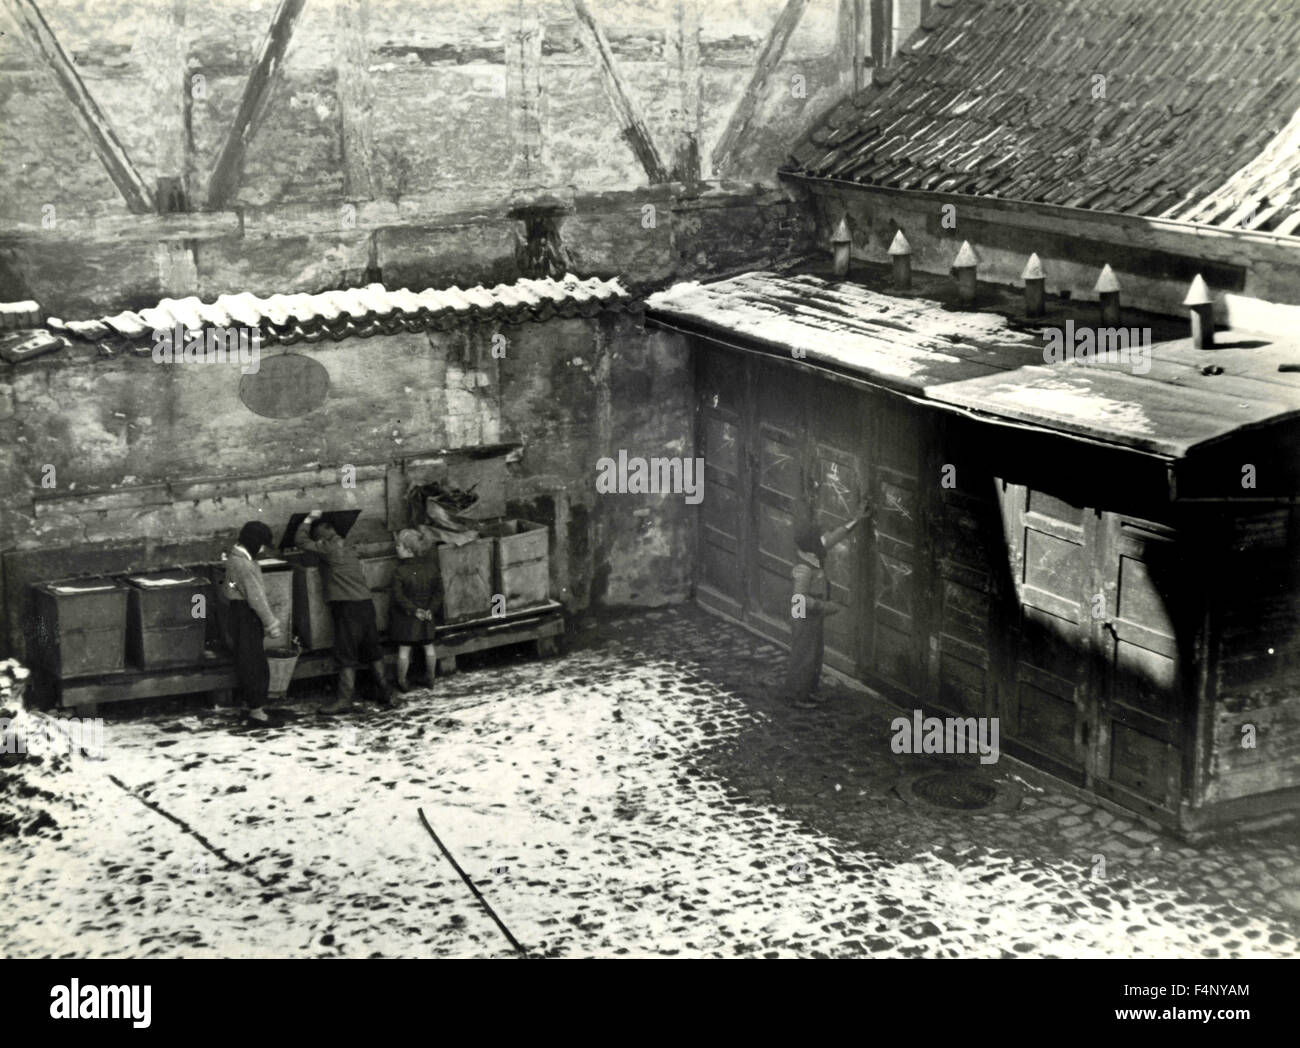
834,371
1234,239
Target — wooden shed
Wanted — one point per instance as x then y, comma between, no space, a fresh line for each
1077,549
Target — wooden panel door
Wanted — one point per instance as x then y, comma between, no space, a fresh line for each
971,568
897,560
1142,704
839,449
720,439
1045,709
780,483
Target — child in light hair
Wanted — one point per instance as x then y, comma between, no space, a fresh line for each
416,603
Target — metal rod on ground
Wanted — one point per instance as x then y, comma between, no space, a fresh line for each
464,877
231,864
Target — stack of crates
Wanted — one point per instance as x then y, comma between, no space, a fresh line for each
521,569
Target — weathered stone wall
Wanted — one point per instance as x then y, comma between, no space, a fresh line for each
446,119
158,463
438,72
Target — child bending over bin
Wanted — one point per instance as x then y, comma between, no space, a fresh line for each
356,631
416,605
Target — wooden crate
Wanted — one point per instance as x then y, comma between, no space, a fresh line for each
277,578
162,630
466,580
313,624
521,569
77,634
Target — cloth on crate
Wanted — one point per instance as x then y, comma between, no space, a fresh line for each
67,588
416,586
438,537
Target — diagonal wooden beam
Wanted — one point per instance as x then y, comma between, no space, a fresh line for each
629,114
773,49
252,107
139,197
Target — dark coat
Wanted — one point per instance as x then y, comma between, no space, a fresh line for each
807,637
416,586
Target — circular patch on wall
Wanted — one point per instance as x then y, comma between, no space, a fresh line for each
286,385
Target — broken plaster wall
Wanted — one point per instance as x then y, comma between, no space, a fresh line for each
442,120
160,464
440,78
170,446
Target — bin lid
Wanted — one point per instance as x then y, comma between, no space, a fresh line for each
66,587
161,579
342,519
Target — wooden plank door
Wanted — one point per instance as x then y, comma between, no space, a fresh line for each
839,449
720,439
1142,697
779,468
971,569
1045,709
895,627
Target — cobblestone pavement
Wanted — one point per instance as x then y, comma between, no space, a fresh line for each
642,795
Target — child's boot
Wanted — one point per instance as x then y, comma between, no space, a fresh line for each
403,668
343,697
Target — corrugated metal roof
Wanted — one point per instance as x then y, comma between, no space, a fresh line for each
360,312
991,364
1182,109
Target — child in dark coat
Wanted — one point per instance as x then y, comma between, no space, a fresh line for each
416,605
811,604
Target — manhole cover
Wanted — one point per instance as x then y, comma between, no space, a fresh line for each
959,789
955,789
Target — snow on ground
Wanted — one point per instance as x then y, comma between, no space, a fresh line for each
594,800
